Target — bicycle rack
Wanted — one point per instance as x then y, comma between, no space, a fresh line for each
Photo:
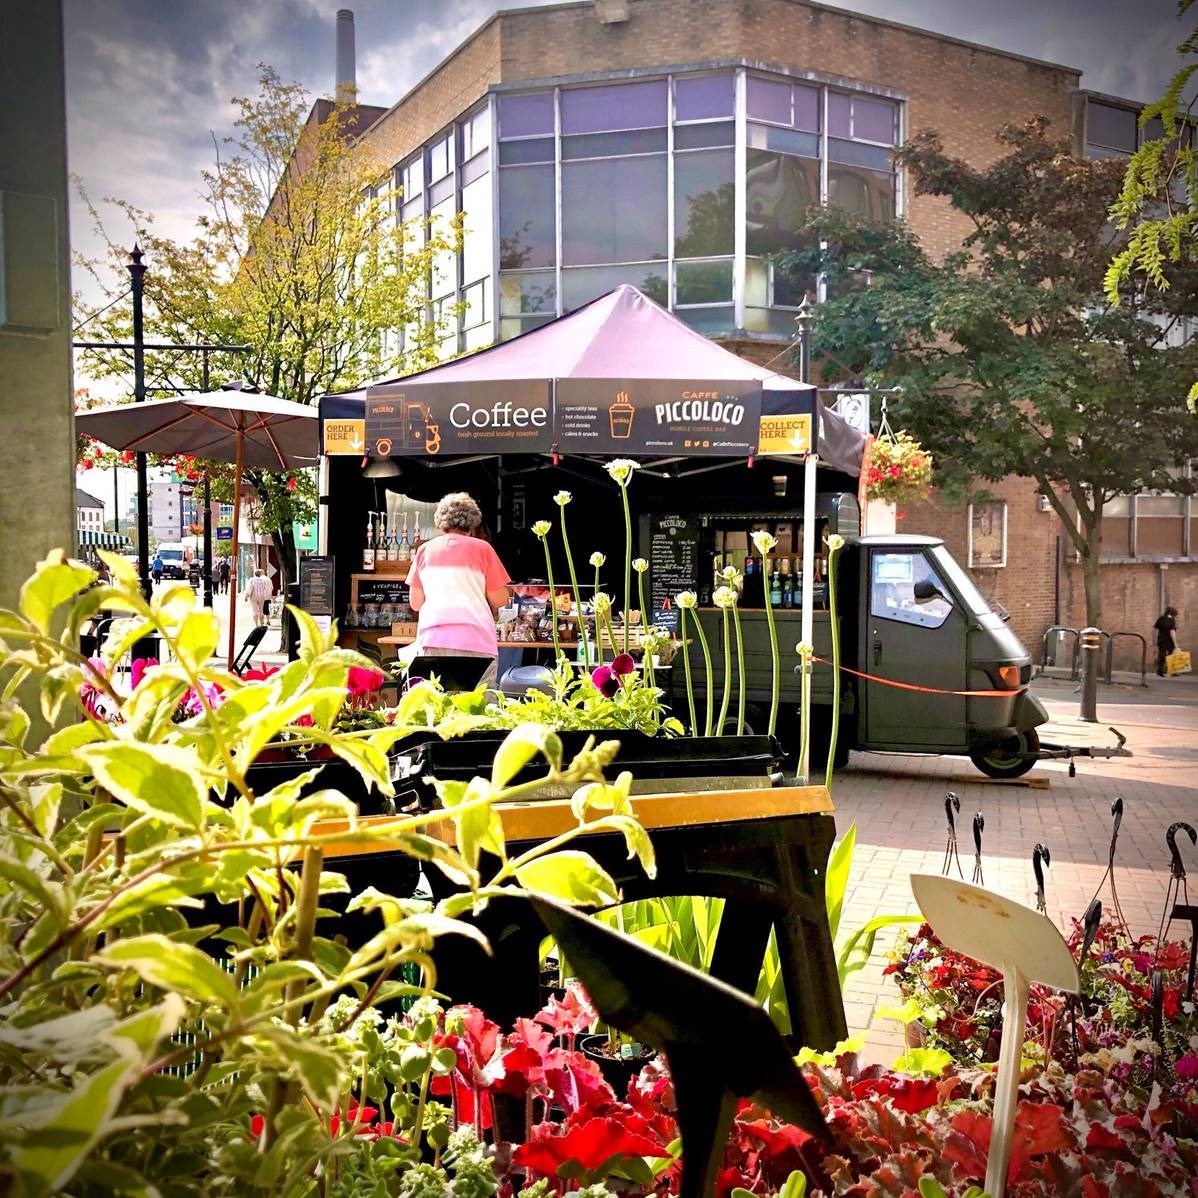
1110,654
1055,628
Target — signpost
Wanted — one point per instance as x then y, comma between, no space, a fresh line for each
1026,948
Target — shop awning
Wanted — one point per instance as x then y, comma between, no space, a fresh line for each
93,538
619,377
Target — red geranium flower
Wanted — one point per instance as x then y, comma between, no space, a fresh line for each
364,682
586,1147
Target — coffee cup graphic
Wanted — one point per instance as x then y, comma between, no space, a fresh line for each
620,412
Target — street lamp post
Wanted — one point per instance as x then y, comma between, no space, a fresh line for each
137,272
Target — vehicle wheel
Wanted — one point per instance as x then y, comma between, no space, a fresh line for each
1007,760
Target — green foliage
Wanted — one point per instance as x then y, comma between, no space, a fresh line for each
1011,357
163,971
1158,203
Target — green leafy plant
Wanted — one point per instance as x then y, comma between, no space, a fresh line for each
835,545
162,968
765,544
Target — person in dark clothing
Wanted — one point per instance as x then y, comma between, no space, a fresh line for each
222,576
1166,638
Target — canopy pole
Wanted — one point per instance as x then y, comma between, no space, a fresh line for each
808,618
234,584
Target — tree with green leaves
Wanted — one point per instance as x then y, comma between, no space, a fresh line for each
1158,203
298,255
1011,357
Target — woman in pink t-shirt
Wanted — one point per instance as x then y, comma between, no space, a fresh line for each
457,584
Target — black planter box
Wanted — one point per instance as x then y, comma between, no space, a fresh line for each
652,760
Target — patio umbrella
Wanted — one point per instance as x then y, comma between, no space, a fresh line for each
235,424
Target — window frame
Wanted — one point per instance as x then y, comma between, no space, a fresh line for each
1001,564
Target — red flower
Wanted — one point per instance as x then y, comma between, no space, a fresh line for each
1100,1137
906,1093
587,1146
623,664
257,1126
261,674
570,1015
292,482
364,682
139,668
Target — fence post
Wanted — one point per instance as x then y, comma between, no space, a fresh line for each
1091,646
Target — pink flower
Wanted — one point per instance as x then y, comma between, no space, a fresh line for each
623,664
140,667
1187,1066
605,682
364,682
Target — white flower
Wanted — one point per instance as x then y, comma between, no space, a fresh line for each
835,541
687,599
602,603
621,470
541,528
562,498
597,559
764,542
805,650
724,597
731,575
639,565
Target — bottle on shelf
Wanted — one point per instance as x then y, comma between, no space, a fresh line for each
749,588
788,585
394,553
416,537
404,549
368,549
776,586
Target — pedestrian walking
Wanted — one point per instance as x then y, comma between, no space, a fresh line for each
258,591
156,568
1166,638
222,576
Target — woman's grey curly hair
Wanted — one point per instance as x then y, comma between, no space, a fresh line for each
457,512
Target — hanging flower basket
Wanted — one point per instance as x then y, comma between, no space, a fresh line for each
899,469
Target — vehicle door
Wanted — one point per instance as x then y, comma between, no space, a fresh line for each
913,633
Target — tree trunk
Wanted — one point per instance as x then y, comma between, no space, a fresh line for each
1091,561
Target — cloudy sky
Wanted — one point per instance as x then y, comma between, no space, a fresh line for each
149,81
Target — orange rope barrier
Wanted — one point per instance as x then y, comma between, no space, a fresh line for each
910,686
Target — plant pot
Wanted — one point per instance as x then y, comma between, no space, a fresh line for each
656,762
275,765
617,1071
550,989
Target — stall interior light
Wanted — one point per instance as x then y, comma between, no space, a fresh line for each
382,468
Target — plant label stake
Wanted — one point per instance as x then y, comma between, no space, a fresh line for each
1025,948
1117,814
1040,858
1179,888
951,804
979,823
1090,922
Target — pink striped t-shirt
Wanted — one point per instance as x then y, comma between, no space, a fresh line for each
456,572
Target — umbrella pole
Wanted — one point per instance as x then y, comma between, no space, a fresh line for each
234,581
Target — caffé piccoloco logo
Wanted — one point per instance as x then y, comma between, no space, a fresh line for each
700,407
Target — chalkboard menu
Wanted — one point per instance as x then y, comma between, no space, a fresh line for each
316,585
673,565
378,588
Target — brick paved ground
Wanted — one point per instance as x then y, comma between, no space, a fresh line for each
897,805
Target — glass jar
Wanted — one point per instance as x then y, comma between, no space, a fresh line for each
371,617
353,616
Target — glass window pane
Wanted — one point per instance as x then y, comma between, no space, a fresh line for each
621,106
868,193
535,149
757,283
779,189
1160,505
769,100
785,141
710,321
703,282
1116,536
510,327
894,577
838,114
440,158
477,309
695,137
475,168
477,230
527,293
873,120
475,132
853,153
413,211
788,285
440,191
697,97
1112,127
525,116
412,177
1154,129
526,217
605,145
704,203
614,210
445,261
807,106
580,285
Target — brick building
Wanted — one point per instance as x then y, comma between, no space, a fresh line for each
675,144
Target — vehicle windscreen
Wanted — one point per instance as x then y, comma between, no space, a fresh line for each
171,555
962,583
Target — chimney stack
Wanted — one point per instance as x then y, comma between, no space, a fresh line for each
347,80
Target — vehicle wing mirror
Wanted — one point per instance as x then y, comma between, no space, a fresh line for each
925,591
